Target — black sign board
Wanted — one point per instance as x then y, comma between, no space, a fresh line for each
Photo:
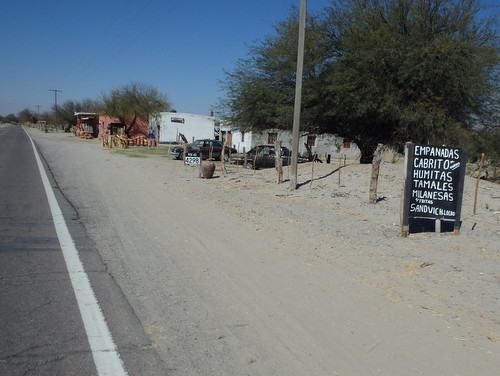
434,183
192,158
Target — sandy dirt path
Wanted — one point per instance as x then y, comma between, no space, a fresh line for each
240,276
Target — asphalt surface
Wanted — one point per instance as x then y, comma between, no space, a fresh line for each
42,332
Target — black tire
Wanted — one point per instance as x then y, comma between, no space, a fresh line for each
180,156
249,165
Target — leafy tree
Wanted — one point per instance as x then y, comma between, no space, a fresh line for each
11,118
376,71
27,116
409,70
484,141
259,92
66,111
133,101
47,116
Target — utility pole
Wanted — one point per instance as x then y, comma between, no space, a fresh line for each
55,101
298,95
38,109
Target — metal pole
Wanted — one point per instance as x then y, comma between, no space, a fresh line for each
55,101
298,95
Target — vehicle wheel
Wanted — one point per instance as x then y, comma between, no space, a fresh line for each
226,157
180,156
250,165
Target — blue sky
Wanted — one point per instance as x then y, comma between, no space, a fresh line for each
87,48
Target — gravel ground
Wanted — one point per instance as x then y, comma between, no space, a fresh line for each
307,281
328,221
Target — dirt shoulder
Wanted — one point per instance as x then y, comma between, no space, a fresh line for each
328,220
331,232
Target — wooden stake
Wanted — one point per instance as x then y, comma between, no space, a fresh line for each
223,158
278,162
312,169
184,151
477,182
377,158
255,158
340,165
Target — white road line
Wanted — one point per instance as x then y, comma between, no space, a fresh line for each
106,357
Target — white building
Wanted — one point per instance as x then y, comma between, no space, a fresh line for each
323,145
172,124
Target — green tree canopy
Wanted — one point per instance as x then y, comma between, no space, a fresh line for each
11,118
133,101
260,90
66,111
27,116
376,71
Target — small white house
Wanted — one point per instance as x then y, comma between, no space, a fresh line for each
171,125
323,145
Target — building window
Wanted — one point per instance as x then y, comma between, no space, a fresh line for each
177,120
242,136
347,144
272,138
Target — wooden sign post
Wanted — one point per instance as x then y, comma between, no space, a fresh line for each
434,182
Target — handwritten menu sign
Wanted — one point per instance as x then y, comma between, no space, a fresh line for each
433,183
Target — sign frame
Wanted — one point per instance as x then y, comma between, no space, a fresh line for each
433,184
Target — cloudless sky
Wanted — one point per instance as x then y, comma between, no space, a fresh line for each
87,48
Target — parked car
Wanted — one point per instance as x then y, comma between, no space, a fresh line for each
265,156
206,147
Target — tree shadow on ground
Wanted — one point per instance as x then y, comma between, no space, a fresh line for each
319,177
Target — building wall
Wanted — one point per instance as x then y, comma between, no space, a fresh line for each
323,145
104,121
241,140
192,126
334,146
248,140
139,129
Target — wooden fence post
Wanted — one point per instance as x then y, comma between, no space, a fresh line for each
278,162
477,182
377,158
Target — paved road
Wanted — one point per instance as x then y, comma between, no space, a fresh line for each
42,332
